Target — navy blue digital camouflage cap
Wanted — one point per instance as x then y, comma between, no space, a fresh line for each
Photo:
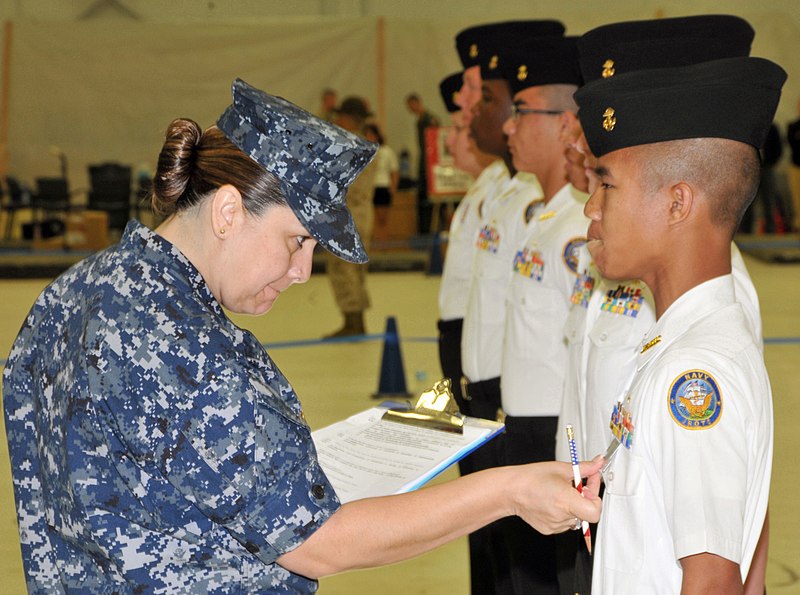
314,160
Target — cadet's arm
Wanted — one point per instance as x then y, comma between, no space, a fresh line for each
709,574
377,531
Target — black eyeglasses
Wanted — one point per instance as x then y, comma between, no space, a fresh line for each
517,111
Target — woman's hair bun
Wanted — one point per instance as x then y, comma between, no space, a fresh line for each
175,164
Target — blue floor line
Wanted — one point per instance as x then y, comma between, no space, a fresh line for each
340,340
767,244
365,338
781,340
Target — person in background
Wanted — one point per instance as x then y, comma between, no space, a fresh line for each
348,279
387,178
767,213
424,120
328,101
793,139
156,447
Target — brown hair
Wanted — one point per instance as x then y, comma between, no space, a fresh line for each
193,163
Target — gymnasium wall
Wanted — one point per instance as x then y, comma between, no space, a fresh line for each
101,80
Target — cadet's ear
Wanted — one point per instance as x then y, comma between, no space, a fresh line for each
681,202
226,211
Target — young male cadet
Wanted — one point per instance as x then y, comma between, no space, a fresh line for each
473,43
608,318
502,225
687,486
489,171
543,75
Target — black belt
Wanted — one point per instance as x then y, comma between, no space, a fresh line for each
484,396
452,325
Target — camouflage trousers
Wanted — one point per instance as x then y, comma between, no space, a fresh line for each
348,280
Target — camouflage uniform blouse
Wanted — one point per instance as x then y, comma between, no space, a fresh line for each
155,446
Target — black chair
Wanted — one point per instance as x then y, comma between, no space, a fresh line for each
53,204
111,192
18,198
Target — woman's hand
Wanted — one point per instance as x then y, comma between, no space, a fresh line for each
547,499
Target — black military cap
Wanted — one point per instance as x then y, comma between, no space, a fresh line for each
449,88
314,161
472,43
733,98
541,61
662,43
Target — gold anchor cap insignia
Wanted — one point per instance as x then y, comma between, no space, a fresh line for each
493,62
608,69
522,72
609,119
473,50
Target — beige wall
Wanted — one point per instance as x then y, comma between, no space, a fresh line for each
96,82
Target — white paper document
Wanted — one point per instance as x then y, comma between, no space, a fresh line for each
365,456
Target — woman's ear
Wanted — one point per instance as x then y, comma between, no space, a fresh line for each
226,211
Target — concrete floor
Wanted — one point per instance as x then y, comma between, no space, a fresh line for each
336,380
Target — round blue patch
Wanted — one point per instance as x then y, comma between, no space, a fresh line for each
695,402
571,253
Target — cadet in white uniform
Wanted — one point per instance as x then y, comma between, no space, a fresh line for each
609,318
687,486
462,235
504,216
502,228
543,75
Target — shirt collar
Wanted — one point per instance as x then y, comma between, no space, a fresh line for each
565,197
171,261
694,305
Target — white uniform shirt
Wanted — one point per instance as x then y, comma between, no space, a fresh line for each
746,294
692,474
503,225
385,163
543,276
457,268
606,324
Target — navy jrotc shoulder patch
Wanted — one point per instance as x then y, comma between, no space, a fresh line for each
695,401
571,253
